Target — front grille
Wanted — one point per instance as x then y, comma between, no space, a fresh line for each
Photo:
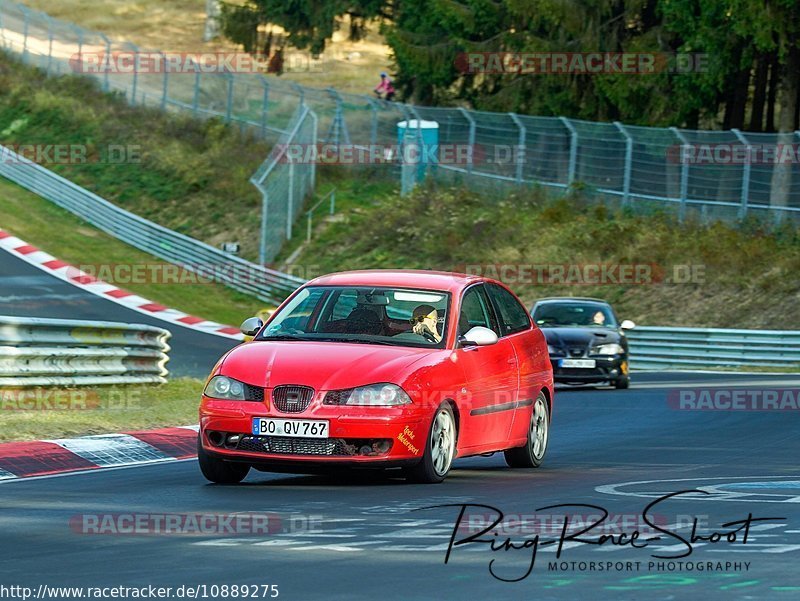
292,399
577,351
285,445
253,393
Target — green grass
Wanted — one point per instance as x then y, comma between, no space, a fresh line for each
749,274
66,237
84,411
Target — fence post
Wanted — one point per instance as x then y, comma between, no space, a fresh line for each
471,142
26,14
520,155
196,93
745,172
333,201
626,181
300,92
684,171
135,79
262,243
264,105
2,27
107,62
290,202
229,99
573,150
50,43
308,227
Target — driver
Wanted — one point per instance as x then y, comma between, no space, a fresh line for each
599,319
425,319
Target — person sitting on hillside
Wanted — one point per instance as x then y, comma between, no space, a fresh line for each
385,87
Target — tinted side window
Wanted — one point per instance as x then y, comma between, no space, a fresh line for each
474,311
513,316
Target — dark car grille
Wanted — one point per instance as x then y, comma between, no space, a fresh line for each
576,351
292,399
285,445
253,393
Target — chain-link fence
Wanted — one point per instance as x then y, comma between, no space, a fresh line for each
718,174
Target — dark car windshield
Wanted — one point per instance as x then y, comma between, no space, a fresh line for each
572,313
357,314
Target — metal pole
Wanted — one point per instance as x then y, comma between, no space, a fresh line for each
50,43
471,142
573,150
313,175
626,182
333,201
135,80
300,92
745,173
520,155
165,84
264,106
308,228
107,61
262,244
684,172
196,92
290,202
373,133
229,102
25,12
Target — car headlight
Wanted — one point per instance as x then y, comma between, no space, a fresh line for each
223,387
607,349
551,350
374,395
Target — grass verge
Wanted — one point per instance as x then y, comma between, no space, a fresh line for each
64,413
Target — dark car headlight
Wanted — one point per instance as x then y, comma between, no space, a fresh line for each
375,395
223,387
607,349
551,350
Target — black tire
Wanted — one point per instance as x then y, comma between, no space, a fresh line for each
219,471
531,454
426,471
622,383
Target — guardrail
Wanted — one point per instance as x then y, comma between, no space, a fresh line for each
657,348
191,254
66,352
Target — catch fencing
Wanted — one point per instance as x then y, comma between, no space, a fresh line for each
65,352
659,348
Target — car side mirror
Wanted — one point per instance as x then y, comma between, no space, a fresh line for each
478,336
251,326
627,324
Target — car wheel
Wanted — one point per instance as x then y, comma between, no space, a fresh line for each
219,471
622,383
532,453
440,449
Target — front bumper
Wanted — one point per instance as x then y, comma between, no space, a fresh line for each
357,435
607,369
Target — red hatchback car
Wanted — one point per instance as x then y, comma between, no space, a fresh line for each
380,369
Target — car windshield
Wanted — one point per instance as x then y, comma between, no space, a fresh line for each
574,314
357,314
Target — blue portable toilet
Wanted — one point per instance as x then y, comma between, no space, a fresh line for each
429,153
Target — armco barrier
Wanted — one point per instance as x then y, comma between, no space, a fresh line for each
657,348
65,352
191,254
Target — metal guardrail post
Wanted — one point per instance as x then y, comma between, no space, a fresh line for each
471,141
685,146
626,181
573,150
264,105
745,172
520,147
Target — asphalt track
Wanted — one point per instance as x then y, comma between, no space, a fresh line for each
26,291
367,542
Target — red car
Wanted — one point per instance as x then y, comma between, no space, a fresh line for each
380,369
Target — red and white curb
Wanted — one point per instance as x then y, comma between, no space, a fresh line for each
49,457
76,277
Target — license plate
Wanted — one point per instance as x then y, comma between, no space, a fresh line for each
581,363
301,428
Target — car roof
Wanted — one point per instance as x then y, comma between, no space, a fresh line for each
587,299
400,278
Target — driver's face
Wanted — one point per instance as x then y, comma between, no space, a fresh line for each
599,317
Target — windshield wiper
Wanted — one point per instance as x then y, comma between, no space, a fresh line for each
367,341
283,337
